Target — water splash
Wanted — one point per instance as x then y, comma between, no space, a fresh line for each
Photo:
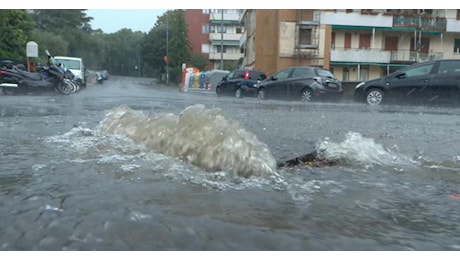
203,137
356,149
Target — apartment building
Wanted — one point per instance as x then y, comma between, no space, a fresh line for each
356,44
216,34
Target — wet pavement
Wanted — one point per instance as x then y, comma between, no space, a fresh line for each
69,182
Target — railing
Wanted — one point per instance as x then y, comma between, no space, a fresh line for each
226,36
427,23
226,56
382,56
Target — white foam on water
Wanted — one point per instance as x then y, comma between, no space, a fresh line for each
356,149
203,137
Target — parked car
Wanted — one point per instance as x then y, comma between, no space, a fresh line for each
240,83
105,74
420,83
301,83
76,66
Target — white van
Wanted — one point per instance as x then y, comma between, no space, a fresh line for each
75,65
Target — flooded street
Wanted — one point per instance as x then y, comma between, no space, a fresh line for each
133,165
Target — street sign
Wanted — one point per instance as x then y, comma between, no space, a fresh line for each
32,49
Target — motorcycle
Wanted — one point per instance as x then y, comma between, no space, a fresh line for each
13,80
69,75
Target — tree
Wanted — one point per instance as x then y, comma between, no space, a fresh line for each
15,28
124,49
172,26
199,61
72,28
49,41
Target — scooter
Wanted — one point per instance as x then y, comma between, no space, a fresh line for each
50,77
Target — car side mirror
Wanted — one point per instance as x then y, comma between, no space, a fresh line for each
273,78
400,75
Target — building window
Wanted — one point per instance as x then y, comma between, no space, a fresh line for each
364,73
206,11
304,36
347,43
204,48
458,14
333,40
365,41
346,74
457,46
218,29
218,49
239,29
205,28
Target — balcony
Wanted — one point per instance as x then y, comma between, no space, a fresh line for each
216,18
360,55
227,37
418,21
226,56
381,56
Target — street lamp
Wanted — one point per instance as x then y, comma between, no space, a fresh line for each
167,49
222,39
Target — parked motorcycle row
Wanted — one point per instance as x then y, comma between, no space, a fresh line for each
52,77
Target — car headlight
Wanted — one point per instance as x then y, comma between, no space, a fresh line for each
359,85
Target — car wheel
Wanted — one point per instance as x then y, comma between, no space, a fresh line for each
261,94
307,95
238,93
374,96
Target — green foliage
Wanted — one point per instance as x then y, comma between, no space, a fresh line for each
168,37
124,47
68,32
15,28
49,41
231,65
199,61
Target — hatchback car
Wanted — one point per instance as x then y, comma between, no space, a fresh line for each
240,83
301,83
423,83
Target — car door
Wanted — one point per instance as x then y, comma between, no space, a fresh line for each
229,83
411,84
299,79
445,83
235,82
279,86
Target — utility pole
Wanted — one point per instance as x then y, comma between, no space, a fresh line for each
167,49
222,39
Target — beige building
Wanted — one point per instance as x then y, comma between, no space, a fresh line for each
355,44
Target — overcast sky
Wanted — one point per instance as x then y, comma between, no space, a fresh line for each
111,21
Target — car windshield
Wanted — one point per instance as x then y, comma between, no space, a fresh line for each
70,64
325,73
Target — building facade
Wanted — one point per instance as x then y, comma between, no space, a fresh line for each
216,34
356,44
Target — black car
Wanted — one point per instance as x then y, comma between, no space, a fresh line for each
239,83
301,83
429,82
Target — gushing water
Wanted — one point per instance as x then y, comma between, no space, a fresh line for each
197,135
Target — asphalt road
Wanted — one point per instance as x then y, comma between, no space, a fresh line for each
67,182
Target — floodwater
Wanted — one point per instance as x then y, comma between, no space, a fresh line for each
132,165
